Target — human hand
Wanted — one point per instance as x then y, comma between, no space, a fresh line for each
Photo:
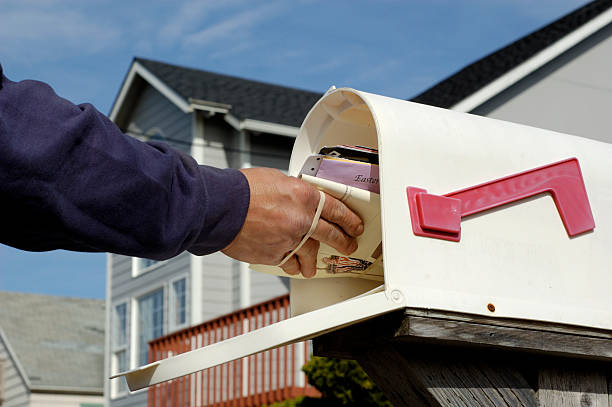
281,211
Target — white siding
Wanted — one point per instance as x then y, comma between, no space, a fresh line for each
64,400
266,286
219,139
572,94
220,146
14,392
219,293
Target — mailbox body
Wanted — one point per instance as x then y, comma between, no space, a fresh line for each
517,257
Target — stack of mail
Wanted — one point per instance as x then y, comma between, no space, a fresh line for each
350,174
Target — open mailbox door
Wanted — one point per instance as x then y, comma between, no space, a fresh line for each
519,259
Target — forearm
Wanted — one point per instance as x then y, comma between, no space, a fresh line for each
70,179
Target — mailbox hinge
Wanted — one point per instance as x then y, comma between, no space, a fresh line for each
439,216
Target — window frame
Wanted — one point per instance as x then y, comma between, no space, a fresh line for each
118,388
138,269
115,326
172,325
136,351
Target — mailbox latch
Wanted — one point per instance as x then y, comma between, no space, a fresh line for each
439,216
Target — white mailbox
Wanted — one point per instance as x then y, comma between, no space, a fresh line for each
527,234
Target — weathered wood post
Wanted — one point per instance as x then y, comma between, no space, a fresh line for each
426,358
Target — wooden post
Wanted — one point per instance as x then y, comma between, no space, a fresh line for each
427,358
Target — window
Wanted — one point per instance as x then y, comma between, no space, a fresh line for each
119,342
119,365
144,263
140,266
155,134
150,322
178,303
120,328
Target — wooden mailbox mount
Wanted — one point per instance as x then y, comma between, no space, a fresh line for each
429,358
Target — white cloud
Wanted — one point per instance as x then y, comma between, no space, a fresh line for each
236,26
229,51
189,15
34,33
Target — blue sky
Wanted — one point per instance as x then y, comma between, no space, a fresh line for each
395,48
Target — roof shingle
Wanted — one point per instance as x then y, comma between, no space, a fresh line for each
59,341
248,99
477,75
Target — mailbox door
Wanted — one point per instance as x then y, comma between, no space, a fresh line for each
291,330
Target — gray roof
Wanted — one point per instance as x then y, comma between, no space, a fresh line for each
248,99
59,341
477,75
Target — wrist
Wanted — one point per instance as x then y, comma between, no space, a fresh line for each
226,205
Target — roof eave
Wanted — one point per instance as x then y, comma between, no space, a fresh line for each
540,59
191,105
20,369
137,69
261,126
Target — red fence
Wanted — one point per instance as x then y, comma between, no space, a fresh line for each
264,378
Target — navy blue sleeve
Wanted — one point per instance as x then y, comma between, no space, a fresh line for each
70,179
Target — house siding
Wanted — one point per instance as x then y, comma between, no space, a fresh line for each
218,294
14,392
213,141
266,286
138,399
128,289
153,112
267,150
64,400
220,144
571,94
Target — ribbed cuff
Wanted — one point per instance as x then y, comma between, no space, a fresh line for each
226,205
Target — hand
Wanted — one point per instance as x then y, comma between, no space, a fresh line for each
281,211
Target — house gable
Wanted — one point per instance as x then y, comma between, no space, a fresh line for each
42,332
485,78
571,94
154,117
14,382
136,80
245,104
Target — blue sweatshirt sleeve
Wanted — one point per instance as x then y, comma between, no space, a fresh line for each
70,179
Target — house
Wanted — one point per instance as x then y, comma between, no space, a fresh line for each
222,121
556,77
51,351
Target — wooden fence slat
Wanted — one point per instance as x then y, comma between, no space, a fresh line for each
572,388
223,385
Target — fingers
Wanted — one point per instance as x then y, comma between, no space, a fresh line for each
307,256
334,211
304,261
334,236
291,266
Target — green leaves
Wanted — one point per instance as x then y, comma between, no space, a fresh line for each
341,383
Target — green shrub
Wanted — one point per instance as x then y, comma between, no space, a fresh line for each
341,383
